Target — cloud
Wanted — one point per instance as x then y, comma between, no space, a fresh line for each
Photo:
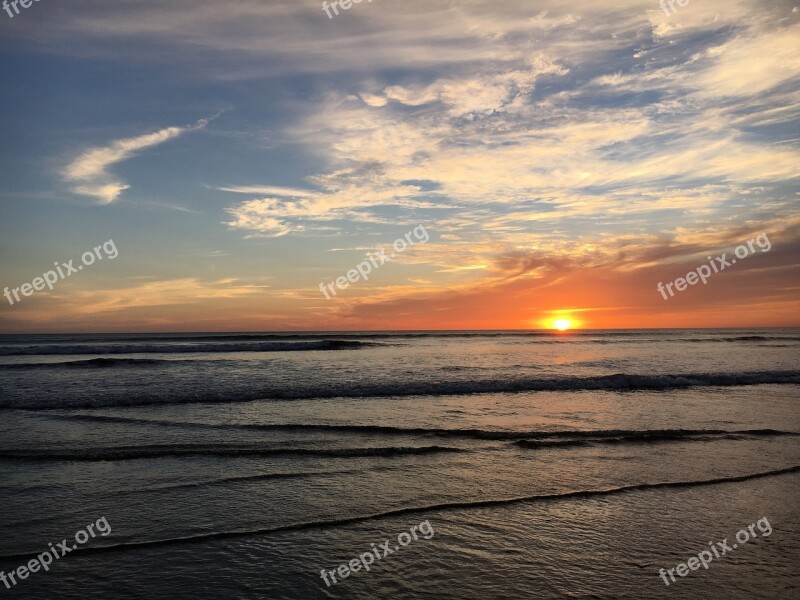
752,65
352,193
609,123
265,215
152,304
602,289
482,95
89,173
268,190
186,291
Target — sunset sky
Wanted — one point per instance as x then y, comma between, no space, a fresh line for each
565,158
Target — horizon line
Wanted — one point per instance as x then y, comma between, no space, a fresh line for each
364,331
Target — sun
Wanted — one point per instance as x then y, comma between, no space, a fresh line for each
559,320
562,324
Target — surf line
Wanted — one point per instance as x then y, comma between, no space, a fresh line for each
203,537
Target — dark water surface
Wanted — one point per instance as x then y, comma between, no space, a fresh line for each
548,465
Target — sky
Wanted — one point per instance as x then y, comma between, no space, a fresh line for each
562,158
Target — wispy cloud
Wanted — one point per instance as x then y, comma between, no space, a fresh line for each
269,190
89,174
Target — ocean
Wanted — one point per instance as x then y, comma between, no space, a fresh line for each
545,464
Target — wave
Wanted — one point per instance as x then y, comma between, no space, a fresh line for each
183,348
591,438
777,345
238,479
378,430
613,435
745,338
116,453
317,335
294,390
91,363
444,506
15,345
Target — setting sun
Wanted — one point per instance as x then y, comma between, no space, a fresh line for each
562,324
